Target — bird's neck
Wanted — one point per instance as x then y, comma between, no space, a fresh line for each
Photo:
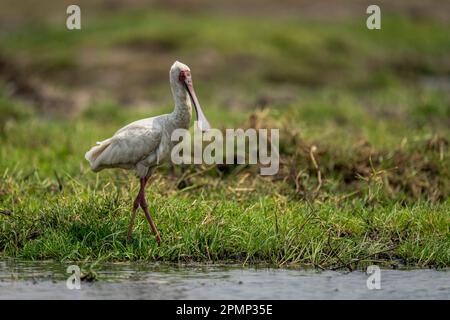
183,108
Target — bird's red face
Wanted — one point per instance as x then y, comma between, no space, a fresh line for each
184,74
186,79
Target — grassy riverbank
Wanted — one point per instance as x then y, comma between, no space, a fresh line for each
365,171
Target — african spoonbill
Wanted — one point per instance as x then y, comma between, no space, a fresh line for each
144,144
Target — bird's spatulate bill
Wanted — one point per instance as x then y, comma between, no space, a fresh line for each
202,122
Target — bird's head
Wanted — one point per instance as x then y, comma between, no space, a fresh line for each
180,76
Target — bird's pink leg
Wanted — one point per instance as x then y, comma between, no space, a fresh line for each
141,201
144,207
136,204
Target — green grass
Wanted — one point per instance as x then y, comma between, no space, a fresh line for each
86,224
355,96
88,219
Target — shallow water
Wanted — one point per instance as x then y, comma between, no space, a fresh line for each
47,280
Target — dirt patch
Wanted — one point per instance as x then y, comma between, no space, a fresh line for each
322,170
22,85
317,169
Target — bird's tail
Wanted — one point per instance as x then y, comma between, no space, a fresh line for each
95,152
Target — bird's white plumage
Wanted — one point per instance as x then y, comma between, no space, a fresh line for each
128,146
143,144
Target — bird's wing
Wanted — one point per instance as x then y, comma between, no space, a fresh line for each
128,146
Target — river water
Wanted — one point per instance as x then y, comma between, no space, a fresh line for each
47,280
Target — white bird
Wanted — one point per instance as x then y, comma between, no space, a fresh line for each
144,144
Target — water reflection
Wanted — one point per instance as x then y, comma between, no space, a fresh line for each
47,280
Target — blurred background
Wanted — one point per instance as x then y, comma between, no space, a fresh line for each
242,53
311,68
